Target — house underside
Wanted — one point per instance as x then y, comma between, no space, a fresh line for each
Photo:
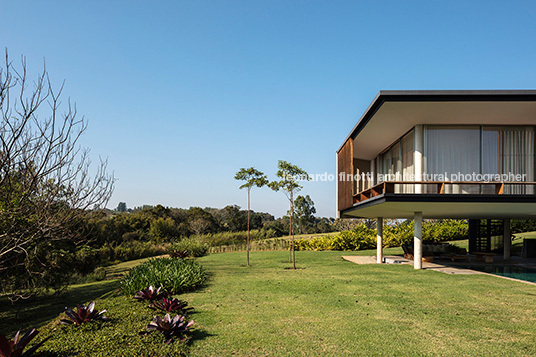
463,206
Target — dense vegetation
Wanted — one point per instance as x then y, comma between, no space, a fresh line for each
394,234
124,234
113,236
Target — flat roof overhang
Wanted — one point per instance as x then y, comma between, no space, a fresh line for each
393,113
444,206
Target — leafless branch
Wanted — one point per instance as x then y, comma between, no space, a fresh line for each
46,178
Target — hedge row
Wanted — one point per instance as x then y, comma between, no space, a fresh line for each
363,237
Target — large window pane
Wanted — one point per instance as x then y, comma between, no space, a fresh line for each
490,151
454,151
516,156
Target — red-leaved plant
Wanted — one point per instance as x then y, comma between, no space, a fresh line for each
150,294
171,305
171,327
15,347
179,254
83,314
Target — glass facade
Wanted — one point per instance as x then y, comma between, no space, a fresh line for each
463,153
396,163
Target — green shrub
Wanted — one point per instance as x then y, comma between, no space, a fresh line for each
86,259
173,275
522,225
194,246
432,232
394,235
358,238
163,229
316,243
136,250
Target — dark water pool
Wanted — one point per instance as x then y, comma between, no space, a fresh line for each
516,272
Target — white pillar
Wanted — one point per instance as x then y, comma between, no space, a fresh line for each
417,241
417,156
372,172
507,242
379,240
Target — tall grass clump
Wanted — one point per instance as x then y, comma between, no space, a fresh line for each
173,275
193,246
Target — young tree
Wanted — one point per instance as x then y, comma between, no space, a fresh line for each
290,176
46,189
253,177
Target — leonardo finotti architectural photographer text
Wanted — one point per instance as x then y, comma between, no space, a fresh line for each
444,177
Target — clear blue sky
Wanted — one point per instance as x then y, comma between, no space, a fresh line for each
180,94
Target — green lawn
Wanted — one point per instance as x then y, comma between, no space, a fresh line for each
333,307
525,235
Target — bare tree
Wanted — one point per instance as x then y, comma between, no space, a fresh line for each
46,185
199,226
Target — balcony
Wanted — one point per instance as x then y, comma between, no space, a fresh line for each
446,188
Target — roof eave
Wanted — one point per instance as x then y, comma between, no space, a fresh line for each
436,96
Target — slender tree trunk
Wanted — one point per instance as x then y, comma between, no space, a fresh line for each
247,243
292,229
290,235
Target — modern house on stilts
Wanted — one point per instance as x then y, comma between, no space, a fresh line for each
442,154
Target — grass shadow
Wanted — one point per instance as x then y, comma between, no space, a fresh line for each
38,311
199,335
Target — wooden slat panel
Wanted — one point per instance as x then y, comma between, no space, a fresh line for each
345,165
389,187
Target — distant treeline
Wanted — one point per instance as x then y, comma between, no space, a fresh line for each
161,224
126,234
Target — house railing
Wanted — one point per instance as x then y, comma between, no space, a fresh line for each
438,187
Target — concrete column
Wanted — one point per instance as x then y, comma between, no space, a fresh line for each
417,156
379,240
507,241
417,241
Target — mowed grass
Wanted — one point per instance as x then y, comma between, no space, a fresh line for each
333,307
